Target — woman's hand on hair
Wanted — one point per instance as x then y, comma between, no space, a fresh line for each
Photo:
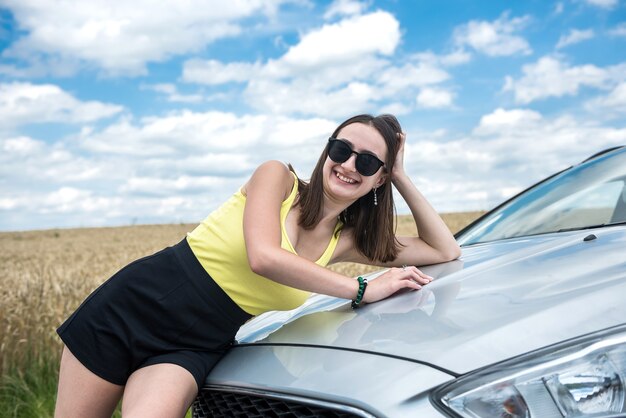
398,165
394,280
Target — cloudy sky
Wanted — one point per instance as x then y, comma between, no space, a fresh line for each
127,112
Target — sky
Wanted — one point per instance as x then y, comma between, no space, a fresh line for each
141,112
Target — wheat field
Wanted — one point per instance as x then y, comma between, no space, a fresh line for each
46,274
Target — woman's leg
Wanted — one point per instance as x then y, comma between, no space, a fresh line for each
159,390
82,393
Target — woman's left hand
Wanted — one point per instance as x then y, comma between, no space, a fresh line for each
393,280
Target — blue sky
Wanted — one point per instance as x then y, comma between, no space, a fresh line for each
115,113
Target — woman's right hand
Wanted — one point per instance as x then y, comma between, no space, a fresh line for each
393,280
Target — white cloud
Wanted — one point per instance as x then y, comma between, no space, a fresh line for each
212,72
158,169
345,8
502,120
338,91
435,98
342,42
614,102
172,93
604,4
508,151
495,38
123,37
166,187
550,77
325,76
22,145
8,203
454,58
298,97
574,36
411,74
72,203
333,71
394,108
178,133
296,132
200,145
26,103
619,30
29,163
341,50
65,199
36,66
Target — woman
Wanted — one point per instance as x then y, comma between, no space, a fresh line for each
154,330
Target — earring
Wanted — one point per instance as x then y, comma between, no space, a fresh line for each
375,197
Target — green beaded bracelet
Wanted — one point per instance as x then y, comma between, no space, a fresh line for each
360,292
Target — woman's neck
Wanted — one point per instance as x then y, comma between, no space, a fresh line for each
332,209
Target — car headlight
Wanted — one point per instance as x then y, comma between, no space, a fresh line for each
582,378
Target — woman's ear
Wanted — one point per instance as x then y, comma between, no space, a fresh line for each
381,180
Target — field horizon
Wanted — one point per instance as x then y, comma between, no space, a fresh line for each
455,217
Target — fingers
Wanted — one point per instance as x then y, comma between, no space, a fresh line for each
398,168
415,274
395,279
411,284
401,138
409,277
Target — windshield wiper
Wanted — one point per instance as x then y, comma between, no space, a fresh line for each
580,228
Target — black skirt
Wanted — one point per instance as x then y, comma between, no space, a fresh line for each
163,308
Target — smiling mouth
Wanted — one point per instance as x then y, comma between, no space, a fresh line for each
345,179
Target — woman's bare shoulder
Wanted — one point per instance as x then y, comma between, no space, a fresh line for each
271,172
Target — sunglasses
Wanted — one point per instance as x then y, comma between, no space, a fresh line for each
366,164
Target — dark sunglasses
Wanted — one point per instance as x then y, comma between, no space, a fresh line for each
366,164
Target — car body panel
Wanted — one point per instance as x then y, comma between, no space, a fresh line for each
303,371
500,300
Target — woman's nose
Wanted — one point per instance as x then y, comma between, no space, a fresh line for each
350,163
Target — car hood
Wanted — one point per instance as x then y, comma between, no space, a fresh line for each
499,300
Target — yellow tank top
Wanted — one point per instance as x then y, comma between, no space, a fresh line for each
219,245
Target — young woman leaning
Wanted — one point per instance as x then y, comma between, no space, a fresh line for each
152,332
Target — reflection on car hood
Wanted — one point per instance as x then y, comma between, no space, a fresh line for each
499,300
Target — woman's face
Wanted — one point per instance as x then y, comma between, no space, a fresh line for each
342,181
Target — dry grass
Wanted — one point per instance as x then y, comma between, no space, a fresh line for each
46,274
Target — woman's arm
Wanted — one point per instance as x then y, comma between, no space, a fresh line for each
435,243
265,192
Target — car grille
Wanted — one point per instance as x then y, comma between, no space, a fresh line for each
219,403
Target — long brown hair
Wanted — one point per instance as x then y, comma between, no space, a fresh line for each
373,226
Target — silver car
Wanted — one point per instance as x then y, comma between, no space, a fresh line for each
529,322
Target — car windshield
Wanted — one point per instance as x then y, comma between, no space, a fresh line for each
589,195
